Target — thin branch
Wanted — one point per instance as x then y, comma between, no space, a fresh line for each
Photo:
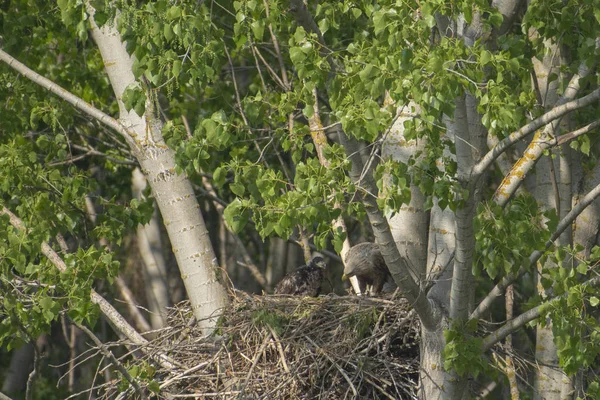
34,373
531,127
515,324
114,360
119,323
284,76
499,289
78,103
562,139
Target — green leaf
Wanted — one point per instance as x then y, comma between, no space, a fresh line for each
594,301
366,73
258,29
154,386
173,13
235,215
219,176
485,57
177,64
237,188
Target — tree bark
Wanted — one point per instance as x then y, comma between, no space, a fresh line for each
172,192
155,270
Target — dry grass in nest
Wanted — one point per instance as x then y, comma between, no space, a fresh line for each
280,347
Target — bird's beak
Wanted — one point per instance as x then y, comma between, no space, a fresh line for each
344,277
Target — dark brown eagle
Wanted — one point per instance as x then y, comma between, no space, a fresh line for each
304,281
366,263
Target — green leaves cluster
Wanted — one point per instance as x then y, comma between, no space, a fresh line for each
573,313
462,353
276,206
506,237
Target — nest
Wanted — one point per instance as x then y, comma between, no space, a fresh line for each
280,347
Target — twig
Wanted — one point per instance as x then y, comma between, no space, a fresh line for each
335,364
113,359
254,362
279,349
34,373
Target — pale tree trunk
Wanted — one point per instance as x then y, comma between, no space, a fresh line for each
277,261
585,233
410,224
15,378
173,193
553,190
150,248
440,255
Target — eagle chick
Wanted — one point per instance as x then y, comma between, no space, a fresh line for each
366,263
304,281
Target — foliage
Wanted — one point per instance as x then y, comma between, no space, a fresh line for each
234,82
506,237
462,353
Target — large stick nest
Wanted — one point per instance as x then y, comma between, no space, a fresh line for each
280,347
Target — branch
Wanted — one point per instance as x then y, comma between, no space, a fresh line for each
113,359
513,325
4,397
78,103
562,139
499,289
531,127
118,322
512,181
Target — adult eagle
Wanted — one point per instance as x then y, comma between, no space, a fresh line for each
304,281
366,263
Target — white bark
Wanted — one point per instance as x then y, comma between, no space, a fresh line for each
462,278
155,270
550,192
173,193
410,224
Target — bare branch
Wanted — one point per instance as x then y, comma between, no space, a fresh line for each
114,360
562,139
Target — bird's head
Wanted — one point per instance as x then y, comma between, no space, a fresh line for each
349,271
319,262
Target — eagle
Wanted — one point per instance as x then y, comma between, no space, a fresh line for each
304,281
366,263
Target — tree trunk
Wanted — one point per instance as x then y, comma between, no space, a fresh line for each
172,192
553,190
155,270
410,224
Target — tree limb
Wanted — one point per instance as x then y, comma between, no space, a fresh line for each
119,323
513,325
531,127
499,289
78,103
